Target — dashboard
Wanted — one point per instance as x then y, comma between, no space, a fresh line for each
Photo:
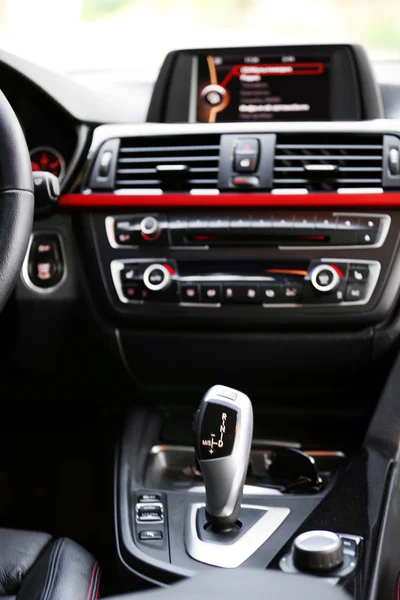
246,233
51,133
258,170
258,224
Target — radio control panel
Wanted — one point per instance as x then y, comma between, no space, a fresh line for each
264,283
281,229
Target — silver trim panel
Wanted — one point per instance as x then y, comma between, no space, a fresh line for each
231,556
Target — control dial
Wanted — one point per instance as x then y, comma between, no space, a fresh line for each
317,551
150,228
157,278
325,278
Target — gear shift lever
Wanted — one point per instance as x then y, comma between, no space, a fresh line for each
223,428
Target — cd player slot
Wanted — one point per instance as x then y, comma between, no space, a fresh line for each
261,239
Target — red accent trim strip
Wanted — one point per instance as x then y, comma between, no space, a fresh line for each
231,200
96,595
92,580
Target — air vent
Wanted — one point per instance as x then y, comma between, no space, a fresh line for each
173,163
329,162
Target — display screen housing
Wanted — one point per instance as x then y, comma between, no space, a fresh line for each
263,87
267,84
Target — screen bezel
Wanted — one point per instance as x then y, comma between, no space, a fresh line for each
354,93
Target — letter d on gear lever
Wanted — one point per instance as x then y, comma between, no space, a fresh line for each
223,429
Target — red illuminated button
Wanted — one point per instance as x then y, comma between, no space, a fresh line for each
249,181
270,293
124,238
190,293
135,292
240,294
292,293
211,294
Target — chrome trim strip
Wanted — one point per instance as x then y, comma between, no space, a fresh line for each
289,191
200,304
231,556
24,271
205,192
373,190
138,192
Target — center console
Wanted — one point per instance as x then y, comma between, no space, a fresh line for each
248,234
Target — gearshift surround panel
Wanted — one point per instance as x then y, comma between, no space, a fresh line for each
223,429
232,554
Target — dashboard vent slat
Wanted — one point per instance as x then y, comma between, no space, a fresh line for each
328,162
173,163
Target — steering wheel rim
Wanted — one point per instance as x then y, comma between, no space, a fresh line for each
16,199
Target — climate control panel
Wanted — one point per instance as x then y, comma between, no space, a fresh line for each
264,283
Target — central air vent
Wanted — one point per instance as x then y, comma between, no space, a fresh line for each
319,162
173,163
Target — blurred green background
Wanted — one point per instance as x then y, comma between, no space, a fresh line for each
131,37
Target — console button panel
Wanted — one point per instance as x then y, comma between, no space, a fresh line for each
323,281
44,266
150,524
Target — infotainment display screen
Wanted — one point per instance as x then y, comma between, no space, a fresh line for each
263,87
266,84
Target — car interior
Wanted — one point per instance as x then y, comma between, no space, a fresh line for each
200,322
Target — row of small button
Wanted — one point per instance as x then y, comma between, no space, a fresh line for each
269,293
149,510
325,283
274,293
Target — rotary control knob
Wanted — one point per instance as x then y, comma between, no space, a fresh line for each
317,551
157,278
325,278
150,228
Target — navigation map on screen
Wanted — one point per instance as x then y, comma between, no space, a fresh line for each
263,88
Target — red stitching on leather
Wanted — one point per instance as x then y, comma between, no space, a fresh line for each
91,581
98,586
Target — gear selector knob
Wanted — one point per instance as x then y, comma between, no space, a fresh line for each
223,429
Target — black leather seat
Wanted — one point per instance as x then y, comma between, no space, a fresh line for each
36,566
237,584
